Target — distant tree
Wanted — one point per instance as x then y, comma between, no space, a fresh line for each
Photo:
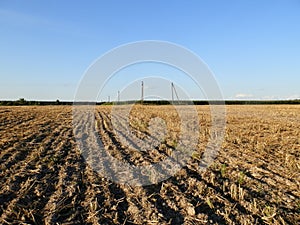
57,102
21,101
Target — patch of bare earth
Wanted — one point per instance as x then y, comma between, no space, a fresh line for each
45,179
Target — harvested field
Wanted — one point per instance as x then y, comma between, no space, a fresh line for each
254,180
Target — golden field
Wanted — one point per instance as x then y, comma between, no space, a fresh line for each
255,178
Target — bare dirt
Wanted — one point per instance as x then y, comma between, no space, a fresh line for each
254,180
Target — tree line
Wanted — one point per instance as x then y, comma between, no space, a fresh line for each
22,101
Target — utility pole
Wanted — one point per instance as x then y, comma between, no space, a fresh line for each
108,98
118,96
142,97
172,85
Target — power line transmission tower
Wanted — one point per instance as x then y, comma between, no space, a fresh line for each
173,90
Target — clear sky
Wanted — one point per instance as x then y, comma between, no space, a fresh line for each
252,46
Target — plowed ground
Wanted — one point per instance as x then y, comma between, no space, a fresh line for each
255,179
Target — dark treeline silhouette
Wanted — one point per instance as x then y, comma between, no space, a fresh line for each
22,101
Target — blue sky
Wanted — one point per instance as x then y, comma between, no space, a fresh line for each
252,47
